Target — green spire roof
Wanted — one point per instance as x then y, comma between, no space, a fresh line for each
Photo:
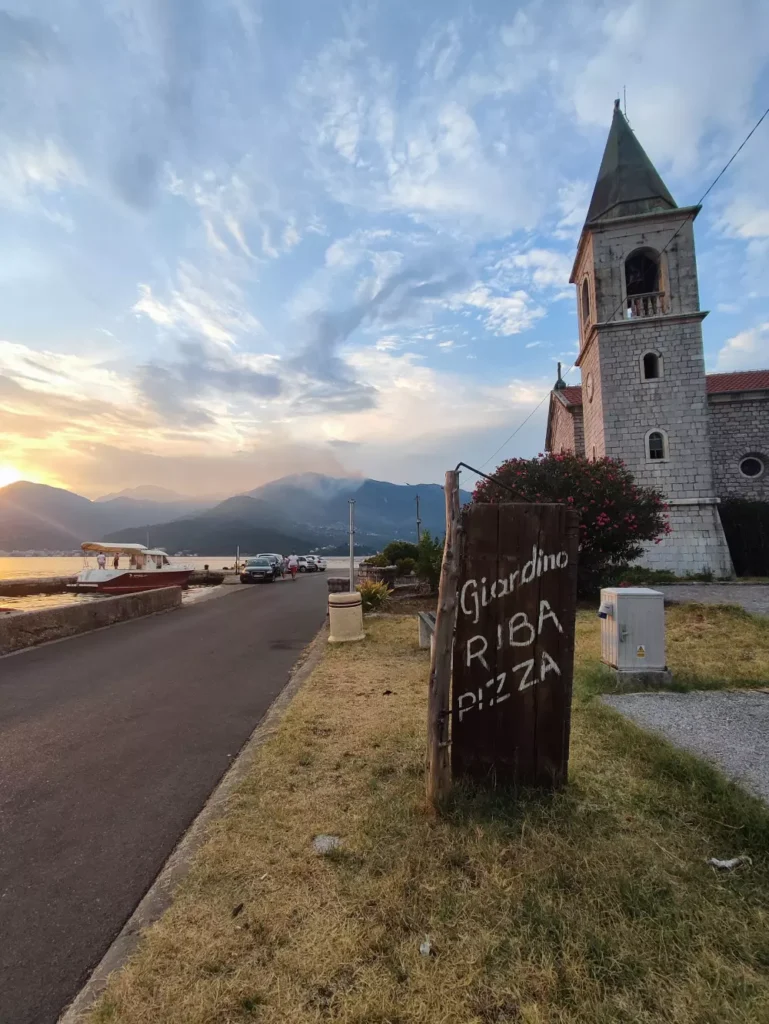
628,182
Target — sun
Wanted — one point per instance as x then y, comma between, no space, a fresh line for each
9,475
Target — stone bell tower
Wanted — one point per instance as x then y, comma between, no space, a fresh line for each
641,357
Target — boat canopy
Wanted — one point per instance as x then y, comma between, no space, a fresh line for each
115,549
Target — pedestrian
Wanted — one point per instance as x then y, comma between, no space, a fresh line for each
101,560
293,566
116,561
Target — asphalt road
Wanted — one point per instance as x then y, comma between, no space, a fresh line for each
110,744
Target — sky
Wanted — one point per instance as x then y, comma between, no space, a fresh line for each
242,239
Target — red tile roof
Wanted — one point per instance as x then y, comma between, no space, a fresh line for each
715,384
748,380
572,395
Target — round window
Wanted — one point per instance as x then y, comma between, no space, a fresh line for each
751,466
589,387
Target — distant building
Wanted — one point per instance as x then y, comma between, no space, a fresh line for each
645,397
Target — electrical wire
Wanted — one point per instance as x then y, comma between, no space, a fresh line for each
675,234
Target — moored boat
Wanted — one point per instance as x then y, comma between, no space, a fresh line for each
142,568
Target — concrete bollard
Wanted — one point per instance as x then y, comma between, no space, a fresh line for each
345,613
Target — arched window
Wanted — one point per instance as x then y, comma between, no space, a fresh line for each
585,302
642,283
656,446
651,366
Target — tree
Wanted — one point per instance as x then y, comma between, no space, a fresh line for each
429,559
399,549
617,516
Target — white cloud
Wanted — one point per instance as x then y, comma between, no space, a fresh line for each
674,98
504,314
746,350
542,268
70,376
216,309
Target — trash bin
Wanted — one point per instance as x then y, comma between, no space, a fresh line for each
345,613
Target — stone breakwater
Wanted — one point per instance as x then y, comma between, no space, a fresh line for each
27,629
25,587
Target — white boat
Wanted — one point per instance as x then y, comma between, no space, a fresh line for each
128,568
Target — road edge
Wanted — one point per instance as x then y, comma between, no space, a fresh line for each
160,894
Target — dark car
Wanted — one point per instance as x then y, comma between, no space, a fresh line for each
277,561
258,570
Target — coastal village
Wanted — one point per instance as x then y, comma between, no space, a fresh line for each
486,751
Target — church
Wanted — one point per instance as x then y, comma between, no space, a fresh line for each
645,397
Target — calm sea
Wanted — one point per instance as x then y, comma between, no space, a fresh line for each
71,565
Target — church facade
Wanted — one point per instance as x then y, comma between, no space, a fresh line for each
645,397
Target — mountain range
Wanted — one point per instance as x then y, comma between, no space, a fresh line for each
301,512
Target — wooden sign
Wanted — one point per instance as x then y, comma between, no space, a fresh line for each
514,644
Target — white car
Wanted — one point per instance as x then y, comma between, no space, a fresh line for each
305,563
320,562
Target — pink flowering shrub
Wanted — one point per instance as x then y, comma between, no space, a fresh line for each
616,515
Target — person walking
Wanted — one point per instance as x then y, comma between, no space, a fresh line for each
293,566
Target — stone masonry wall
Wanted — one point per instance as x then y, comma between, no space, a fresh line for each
739,426
675,403
579,430
27,629
697,543
562,436
614,241
594,442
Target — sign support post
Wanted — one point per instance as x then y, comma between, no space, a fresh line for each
439,690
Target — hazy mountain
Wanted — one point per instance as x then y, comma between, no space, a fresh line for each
382,510
147,492
304,511
241,521
38,517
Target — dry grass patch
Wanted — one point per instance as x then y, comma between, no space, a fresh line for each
708,647
593,906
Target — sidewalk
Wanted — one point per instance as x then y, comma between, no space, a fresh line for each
595,905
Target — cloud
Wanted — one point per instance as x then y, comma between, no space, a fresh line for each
26,40
503,314
540,268
746,350
203,371
33,167
215,307
403,294
673,103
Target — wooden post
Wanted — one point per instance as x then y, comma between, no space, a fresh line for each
439,691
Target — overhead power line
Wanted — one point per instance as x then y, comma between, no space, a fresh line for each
675,234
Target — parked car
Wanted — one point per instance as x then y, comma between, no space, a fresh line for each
277,561
258,570
306,564
320,562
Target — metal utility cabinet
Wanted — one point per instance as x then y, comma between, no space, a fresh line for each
633,629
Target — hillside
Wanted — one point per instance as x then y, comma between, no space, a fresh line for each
38,517
305,511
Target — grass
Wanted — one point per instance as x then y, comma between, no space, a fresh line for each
593,906
708,647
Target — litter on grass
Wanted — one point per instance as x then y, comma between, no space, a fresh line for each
728,865
325,844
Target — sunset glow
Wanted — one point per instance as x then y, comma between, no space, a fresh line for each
9,475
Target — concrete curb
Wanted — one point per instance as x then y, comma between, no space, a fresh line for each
160,894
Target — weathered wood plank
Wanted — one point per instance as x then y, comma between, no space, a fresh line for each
439,688
513,650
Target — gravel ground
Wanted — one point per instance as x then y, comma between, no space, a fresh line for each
753,597
729,729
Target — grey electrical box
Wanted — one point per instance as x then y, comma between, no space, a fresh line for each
633,629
